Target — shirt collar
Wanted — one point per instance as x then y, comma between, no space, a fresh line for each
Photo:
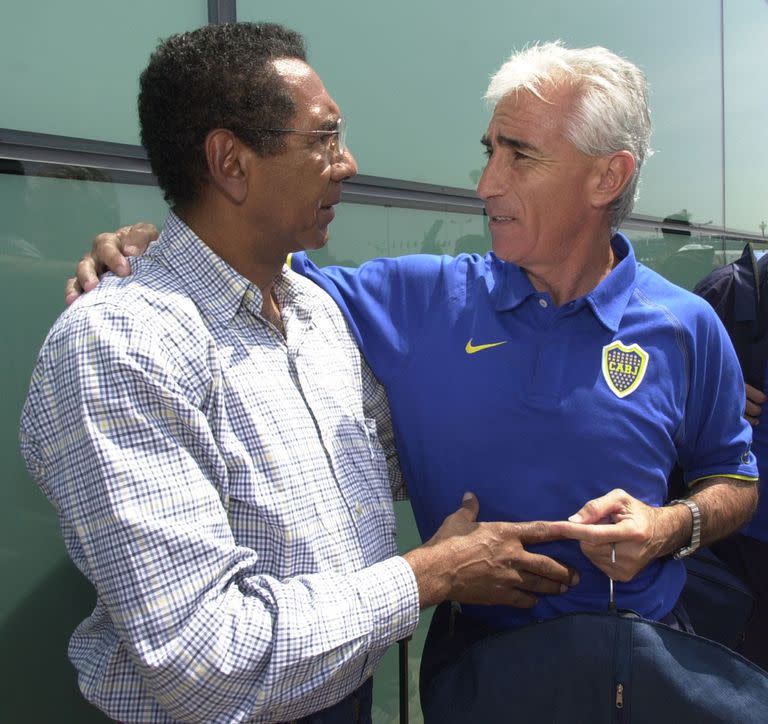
608,300
213,285
610,297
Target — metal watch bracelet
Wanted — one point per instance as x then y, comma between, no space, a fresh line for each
695,541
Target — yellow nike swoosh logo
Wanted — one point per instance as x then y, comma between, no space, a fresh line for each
473,349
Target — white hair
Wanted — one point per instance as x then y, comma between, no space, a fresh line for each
611,113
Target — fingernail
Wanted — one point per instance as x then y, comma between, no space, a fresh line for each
576,518
123,269
467,496
563,588
575,579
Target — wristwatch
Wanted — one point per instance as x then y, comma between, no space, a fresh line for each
695,530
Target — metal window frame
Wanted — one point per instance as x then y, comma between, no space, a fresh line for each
222,11
128,164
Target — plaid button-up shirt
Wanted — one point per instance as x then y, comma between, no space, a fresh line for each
224,489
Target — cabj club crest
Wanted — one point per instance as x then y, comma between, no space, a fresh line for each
624,367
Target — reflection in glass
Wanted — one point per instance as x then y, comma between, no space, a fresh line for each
418,112
362,232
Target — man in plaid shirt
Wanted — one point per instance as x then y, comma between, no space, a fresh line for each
212,439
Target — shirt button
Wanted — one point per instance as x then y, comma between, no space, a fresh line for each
543,303
359,509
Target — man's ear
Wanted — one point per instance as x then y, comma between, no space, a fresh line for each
227,159
614,173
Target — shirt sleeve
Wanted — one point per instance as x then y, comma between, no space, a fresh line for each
386,302
119,439
376,407
716,438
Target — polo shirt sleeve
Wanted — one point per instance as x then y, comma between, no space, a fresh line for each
715,439
385,301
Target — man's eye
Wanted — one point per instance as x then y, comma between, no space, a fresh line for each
519,156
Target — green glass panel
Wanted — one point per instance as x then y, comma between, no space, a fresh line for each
45,226
72,68
746,111
361,232
683,259
410,77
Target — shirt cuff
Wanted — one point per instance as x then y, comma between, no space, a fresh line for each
393,598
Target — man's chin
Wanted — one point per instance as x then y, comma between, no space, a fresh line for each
507,249
317,241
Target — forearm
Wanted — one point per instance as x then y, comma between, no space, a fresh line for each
432,567
272,647
725,505
212,635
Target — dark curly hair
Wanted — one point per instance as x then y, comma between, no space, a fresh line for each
218,76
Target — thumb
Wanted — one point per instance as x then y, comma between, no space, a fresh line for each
470,507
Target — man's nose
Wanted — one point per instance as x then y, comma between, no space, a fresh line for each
490,183
345,166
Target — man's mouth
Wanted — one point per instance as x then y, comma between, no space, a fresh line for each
328,205
501,219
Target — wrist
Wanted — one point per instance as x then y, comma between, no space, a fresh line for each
672,530
694,525
432,574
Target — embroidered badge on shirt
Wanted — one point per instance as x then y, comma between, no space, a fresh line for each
624,367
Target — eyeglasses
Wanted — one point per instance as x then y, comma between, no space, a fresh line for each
336,138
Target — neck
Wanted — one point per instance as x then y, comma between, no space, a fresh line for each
242,247
581,268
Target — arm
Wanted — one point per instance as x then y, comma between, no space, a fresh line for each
713,448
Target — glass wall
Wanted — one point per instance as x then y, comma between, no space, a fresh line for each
46,225
410,78
72,68
746,105
414,97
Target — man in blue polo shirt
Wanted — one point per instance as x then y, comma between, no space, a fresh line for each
556,377
557,370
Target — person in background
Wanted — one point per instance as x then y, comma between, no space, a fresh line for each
738,292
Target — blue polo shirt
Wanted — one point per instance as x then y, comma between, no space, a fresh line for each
537,409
